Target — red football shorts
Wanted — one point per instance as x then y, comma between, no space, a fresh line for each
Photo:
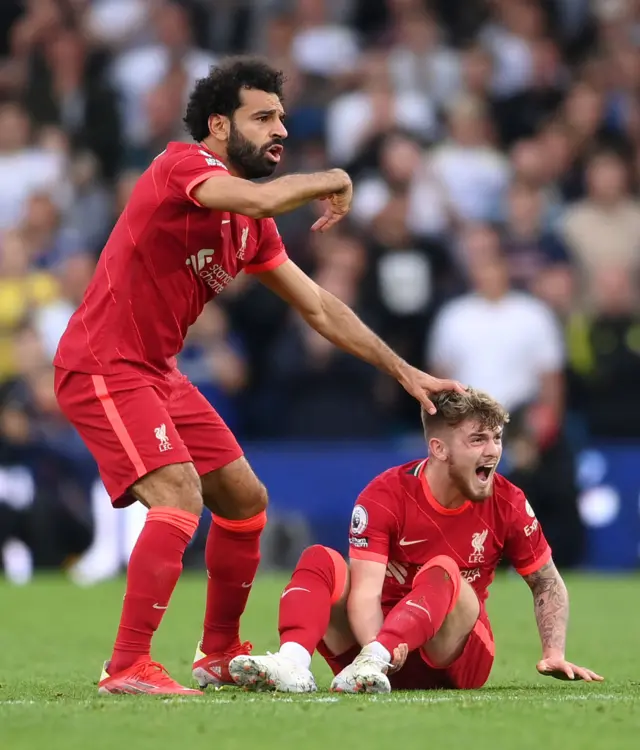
133,424
469,671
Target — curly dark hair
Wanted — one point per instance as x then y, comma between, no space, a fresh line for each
219,92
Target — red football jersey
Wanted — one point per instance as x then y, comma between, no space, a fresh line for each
166,257
398,522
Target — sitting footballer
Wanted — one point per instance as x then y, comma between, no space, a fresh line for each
408,612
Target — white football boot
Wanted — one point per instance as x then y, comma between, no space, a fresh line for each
271,672
367,673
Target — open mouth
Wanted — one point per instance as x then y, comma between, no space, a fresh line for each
484,473
275,152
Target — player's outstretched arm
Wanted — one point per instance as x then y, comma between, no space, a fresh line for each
551,606
223,192
339,324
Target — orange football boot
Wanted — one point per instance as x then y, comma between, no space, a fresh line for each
144,677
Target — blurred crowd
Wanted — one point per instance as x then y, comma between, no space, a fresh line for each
495,150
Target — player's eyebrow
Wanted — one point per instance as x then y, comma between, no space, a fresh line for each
486,433
268,112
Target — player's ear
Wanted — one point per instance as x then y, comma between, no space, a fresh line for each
438,449
219,127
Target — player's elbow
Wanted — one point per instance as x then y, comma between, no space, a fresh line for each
322,311
263,202
259,207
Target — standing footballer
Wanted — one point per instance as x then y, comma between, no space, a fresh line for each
193,223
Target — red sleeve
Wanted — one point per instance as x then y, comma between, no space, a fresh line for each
525,545
271,251
190,170
373,522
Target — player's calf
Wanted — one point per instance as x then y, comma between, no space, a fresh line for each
172,494
312,609
237,500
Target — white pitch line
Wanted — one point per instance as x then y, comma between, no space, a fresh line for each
461,697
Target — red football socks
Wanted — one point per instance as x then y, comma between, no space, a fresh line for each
418,617
305,606
232,555
154,568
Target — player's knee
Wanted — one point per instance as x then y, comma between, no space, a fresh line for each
450,568
234,492
173,486
252,503
259,500
331,566
446,563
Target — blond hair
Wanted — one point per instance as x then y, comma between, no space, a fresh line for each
453,408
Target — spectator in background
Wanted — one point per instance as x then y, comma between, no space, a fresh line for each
213,360
46,463
24,168
72,275
466,171
138,71
48,240
501,340
420,61
23,289
476,73
118,24
511,35
603,230
407,277
320,46
622,99
68,86
522,114
396,160
315,390
583,115
160,107
89,215
530,248
604,349
543,161
355,118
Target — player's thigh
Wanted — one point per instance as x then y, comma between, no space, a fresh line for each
230,488
472,668
129,432
449,642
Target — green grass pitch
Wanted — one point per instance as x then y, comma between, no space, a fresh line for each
54,636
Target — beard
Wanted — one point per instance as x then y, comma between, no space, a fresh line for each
248,159
464,484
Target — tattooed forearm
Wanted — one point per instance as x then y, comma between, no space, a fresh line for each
551,605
